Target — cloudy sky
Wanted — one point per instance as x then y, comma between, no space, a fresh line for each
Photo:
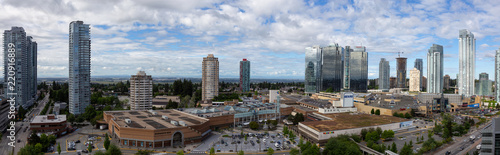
168,38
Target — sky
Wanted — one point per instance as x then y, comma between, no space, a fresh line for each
168,38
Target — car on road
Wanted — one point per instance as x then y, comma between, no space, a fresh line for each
85,151
77,141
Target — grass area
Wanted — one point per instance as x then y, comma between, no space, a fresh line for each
346,121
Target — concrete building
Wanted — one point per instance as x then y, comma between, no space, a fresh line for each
490,138
273,96
210,77
244,75
332,125
497,75
79,67
483,87
419,64
393,82
20,64
332,68
446,81
415,80
346,79
50,124
435,69
401,72
358,70
313,69
141,91
467,62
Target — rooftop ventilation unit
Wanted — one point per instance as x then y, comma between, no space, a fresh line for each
164,117
128,121
174,123
182,123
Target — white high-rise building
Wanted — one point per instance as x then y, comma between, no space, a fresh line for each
79,67
497,76
467,62
210,77
141,91
415,80
435,69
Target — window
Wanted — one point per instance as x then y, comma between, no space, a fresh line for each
125,142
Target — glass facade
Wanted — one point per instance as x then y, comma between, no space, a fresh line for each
79,67
313,69
331,68
384,74
358,69
467,62
401,72
245,75
419,64
483,87
435,73
24,52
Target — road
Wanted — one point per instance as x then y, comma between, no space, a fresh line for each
463,142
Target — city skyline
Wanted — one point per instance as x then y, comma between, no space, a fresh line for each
174,40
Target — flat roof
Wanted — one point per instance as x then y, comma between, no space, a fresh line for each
400,101
43,119
146,120
342,121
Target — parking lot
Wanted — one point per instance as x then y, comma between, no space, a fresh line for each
254,143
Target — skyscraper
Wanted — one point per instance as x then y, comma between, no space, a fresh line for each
401,72
467,62
20,67
244,75
483,87
415,80
79,67
497,75
141,91
210,77
384,74
446,82
346,79
313,69
419,64
435,69
358,69
331,68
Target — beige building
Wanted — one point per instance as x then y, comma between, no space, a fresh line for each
415,80
141,91
210,77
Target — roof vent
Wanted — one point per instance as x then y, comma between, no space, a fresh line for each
174,123
128,121
164,117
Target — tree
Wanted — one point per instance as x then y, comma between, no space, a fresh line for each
254,125
294,151
180,152
241,152
99,153
246,137
38,147
212,151
90,148
388,134
394,148
113,150
89,112
270,151
363,133
406,150
447,122
340,145
379,131
373,111
71,118
407,116
373,136
34,139
377,112
106,142
58,148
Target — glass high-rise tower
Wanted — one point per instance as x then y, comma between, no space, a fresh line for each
346,79
313,69
384,74
401,72
331,68
419,64
497,75
484,85
358,69
20,67
244,75
435,68
79,67
467,62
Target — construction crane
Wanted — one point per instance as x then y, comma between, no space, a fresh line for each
399,54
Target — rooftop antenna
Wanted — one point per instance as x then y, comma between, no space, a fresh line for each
399,54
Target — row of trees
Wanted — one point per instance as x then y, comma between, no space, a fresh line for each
401,115
37,145
299,117
376,112
289,133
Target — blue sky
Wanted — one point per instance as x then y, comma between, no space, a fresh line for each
169,38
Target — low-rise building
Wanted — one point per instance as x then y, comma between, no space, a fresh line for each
162,101
49,124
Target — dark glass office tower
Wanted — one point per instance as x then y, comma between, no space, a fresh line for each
244,75
313,69
401,71
419,64
331,69
358,69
